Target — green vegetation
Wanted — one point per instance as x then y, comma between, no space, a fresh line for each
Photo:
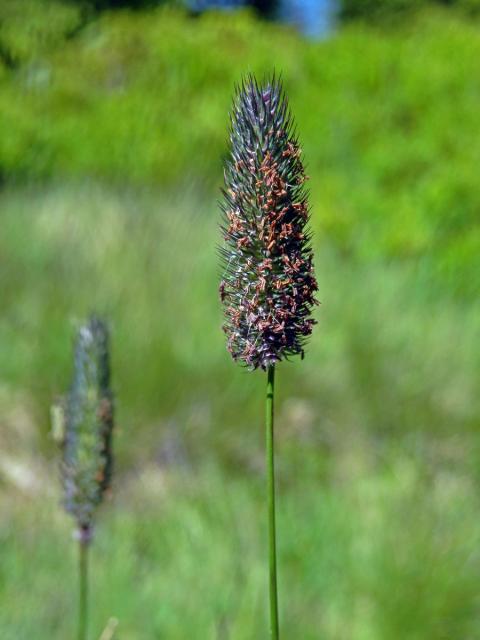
384,11
378,444
111,155
386,120
379,554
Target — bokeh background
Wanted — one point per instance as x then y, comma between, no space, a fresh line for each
113,119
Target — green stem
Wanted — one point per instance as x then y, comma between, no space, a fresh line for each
83,590
272,545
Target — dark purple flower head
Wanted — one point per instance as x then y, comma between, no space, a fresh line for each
268,287
87,446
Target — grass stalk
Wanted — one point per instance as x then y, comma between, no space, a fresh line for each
83,547
270,468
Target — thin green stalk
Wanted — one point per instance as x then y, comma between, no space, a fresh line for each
83,590
272,544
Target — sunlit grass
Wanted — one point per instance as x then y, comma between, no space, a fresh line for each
389,554
378,444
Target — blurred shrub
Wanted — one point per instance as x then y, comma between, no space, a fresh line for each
29,27
471,7
385,11
102,5
387,121
378,9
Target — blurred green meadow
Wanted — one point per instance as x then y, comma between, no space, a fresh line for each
112,138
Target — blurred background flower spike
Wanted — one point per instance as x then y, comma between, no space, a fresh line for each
87,442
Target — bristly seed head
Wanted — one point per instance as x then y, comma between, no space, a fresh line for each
268,287
87,439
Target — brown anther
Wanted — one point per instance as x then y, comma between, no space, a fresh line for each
243,242
261,284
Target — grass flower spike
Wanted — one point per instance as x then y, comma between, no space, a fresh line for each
87,449
268,287
87,441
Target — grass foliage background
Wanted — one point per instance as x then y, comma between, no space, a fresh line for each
111,141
